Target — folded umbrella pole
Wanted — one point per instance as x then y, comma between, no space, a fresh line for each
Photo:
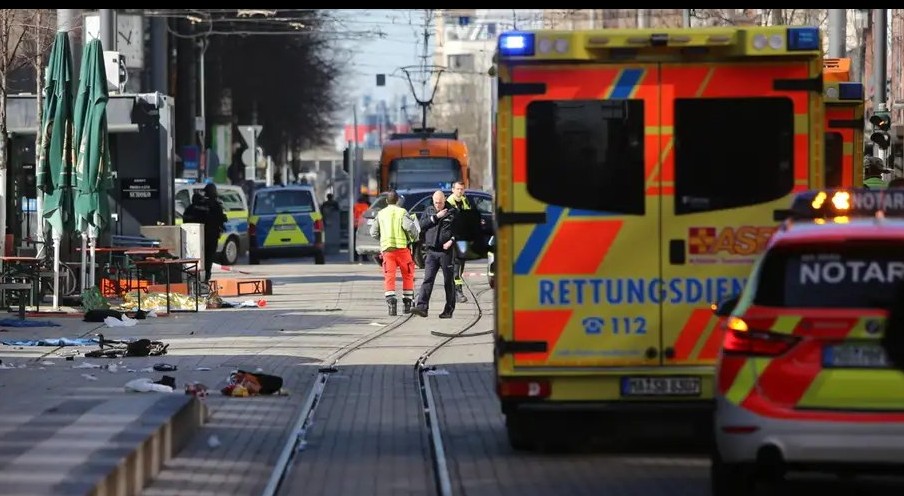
56,154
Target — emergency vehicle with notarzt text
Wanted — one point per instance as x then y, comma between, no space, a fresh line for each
638,171
803,382
844,120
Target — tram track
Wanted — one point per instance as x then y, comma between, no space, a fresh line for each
296,441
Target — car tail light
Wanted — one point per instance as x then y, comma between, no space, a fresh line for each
318,225
252,229
524,388
740,339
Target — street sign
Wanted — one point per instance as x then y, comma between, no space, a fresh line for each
191,161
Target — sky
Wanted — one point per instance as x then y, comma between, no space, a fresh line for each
401,45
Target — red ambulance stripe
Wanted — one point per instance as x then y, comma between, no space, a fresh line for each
728,372
786,379
519,160
710,350
691,332
563,84
594,237
539,325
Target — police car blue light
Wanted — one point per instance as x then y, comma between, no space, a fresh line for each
803,38
516,44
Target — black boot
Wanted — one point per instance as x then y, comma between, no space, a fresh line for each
406,305
393,305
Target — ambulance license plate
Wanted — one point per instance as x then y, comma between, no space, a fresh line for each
661,386
283,227
855,356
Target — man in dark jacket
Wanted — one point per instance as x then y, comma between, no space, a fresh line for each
214,225
436,224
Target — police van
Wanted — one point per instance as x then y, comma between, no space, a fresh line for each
803,381
638,171
233,243
285,221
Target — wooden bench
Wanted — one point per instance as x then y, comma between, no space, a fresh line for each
21,288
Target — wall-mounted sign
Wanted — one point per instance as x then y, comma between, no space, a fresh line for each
140,188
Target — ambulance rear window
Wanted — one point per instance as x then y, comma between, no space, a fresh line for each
587,154
860,274
732,152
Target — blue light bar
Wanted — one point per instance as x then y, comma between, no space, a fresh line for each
850,91
516,44
803,39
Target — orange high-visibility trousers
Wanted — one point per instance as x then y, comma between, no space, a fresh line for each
398,259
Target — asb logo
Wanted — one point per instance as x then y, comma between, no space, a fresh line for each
742,240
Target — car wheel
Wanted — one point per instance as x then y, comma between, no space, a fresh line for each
730,479
518,429
319,258
419,256
230,253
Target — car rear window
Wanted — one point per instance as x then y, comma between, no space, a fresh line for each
836,275
285,201
232,200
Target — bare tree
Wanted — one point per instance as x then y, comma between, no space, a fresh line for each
12,34
38,41
463,103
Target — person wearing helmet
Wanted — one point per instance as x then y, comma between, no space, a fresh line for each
874,167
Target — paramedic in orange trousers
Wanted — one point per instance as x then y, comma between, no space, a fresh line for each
388,228
436,224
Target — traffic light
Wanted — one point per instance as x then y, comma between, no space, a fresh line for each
346,159
881,122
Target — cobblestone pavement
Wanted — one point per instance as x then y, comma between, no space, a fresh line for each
368,434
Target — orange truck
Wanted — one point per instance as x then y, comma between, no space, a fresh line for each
423,159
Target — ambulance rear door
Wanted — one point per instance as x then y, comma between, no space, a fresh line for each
844,135
738,139
576,219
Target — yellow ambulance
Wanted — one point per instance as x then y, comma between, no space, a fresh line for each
639,174
845,108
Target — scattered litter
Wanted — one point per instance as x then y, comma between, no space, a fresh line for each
147,369
5,366
437,372
164,367
213,441
241,383
146,385
125,322
56,342
203,369
90,377
196,389
258,370
252,304
48,362
115,348
16,322
22,366
86,365
131,371
167,380
111,368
